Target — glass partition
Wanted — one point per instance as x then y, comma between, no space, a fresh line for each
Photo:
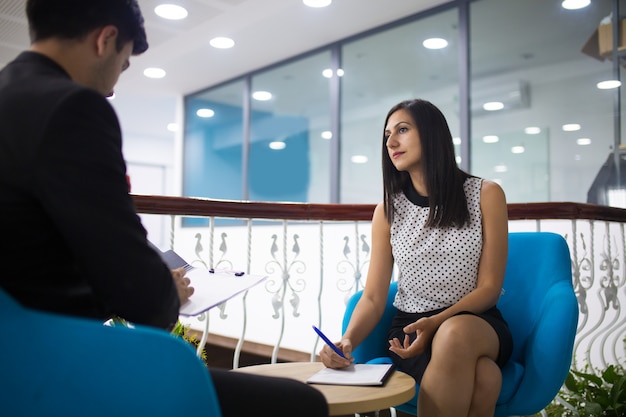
290,132
381,70
548,132
554,129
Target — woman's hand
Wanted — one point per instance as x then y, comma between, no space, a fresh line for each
424,330
331,359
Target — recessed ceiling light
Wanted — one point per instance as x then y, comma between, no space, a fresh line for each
490,139
222,42
493,106
500,168
317,3
608,84
171,11
458,159
435,43
575,4
532,130
358,159
205,113
456,141
570,127
172,127
517,149
328,73
327,134
583,141
262,95
154,72
277,145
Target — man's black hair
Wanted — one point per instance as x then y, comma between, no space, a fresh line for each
74,19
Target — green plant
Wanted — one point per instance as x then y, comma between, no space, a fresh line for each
182,331
592,394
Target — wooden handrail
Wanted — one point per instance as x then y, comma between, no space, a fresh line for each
185,206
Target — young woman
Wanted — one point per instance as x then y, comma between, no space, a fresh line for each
447,232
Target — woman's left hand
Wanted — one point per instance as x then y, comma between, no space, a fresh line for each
424,330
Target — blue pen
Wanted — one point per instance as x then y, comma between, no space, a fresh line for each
328,342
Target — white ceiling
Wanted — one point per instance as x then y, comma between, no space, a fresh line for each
264,31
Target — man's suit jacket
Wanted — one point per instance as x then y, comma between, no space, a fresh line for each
70,238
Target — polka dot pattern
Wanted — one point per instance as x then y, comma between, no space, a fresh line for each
437,266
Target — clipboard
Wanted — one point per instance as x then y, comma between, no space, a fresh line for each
211,287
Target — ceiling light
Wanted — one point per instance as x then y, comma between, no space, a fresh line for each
490,139
317,3
277,145
262,95
500,168
327,134
205,113
358,159
328,73
435,43
608,84
456,141
493,106
172,127
517,149
154,72
222,42
171,11
583,141
458,159
575,4
570,127
532,130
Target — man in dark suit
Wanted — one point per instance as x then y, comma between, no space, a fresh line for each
70,239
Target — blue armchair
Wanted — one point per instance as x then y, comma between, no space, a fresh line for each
53,365
540,307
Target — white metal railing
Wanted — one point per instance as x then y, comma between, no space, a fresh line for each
316,257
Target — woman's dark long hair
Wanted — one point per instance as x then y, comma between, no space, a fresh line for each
444,179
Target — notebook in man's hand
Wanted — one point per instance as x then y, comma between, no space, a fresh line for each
210,288
355,374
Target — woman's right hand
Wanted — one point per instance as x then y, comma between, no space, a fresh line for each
331,359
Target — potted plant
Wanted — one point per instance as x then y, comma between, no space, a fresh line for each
601,393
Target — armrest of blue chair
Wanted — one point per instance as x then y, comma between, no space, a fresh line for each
375,346
546,363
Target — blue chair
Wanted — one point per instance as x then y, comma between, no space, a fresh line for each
53,365
540,307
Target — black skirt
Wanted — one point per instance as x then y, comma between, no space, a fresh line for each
416,365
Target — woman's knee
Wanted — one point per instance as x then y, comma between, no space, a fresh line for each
466,336
452,336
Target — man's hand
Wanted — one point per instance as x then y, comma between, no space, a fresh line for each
182,285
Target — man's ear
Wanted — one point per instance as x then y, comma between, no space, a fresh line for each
106,38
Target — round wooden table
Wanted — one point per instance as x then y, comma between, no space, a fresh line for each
343,400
